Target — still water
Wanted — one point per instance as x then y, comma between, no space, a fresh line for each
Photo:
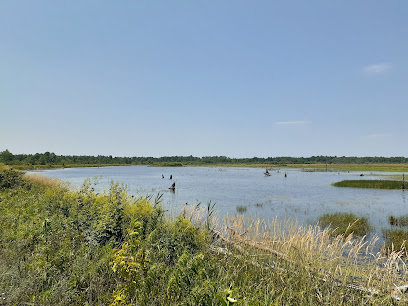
302,196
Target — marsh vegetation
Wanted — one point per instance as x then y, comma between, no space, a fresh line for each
241,208
378,184
345,224
62,247
398,221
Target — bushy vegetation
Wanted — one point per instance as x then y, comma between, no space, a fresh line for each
379,184
345,224
62,247
10,179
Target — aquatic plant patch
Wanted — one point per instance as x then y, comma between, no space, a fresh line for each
241,208
345,224
398,221
395,239
379,184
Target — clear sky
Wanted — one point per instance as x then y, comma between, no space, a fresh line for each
203,78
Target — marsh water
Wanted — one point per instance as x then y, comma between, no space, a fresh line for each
302,196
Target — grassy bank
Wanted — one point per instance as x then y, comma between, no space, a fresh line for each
47,167
61,247
378,184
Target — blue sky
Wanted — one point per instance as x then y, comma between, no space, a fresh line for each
203,78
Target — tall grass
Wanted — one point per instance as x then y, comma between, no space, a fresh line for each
312,256
43,181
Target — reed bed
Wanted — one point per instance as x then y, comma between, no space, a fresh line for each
350,261
311,253
345,224
43,181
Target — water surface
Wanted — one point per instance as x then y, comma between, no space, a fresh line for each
301,195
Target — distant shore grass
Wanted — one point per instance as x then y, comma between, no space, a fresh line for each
345,224
355,167
167,164
378,184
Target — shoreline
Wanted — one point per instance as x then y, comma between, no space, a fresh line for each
310,167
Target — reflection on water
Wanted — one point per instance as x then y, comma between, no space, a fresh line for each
301,195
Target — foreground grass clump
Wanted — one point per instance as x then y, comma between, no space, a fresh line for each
379,184
345,224
61,247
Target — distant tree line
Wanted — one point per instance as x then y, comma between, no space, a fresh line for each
48,158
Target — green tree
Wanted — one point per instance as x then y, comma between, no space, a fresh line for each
6,156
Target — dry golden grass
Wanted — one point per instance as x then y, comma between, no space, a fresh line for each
41,180
5,167
352,263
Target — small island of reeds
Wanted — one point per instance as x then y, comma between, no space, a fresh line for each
378,184
345,224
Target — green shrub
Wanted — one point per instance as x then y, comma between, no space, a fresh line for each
10,178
